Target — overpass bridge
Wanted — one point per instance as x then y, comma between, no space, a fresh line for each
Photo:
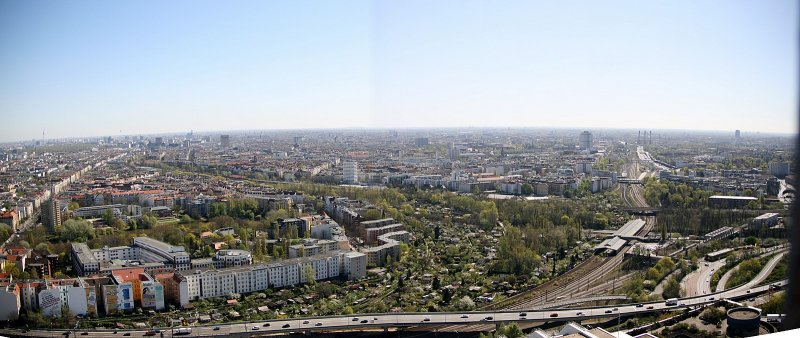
567,302
628,181
642,211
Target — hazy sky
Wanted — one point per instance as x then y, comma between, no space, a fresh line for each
86,68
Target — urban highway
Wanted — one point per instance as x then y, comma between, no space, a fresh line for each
388,320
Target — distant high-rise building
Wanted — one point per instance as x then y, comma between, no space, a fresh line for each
51,214
159,141
452,151
779,169
421,142
585,140
738,135
350,172
224,141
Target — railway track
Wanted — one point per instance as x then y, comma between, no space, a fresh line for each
581,277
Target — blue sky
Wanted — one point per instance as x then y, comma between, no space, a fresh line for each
89,68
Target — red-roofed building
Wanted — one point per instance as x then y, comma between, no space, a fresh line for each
10,217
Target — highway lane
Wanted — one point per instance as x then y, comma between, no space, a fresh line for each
698,282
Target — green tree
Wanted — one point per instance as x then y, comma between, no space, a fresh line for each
308,274
713,315
76,231
11,269
672,289
527,189
372,214
108,216
147,221
489,214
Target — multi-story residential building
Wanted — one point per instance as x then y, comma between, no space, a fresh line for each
371,234
10,217
350,172
212,282
118,210
106,253
51,214
176,288
779,169
76,294
354,265
10,301
118,297
376,255
289,225
231,257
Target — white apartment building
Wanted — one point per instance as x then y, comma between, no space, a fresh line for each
376,255
354,265
207,283
232,257
106,254
350,172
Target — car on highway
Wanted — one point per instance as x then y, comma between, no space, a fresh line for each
608,311
85,333
216,328
488,318
266,325
355,319
150,333
364,321
318,324
710,298
286,325
255,328
305,322
748,291
522,314
464,316
427,319
127,334
374,318
639,305
553,315
615,309
579,314
650,307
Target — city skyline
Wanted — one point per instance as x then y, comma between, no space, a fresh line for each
299,132
92,69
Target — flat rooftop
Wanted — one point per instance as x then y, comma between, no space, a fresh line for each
84,253
630,228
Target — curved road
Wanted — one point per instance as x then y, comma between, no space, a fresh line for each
765,271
